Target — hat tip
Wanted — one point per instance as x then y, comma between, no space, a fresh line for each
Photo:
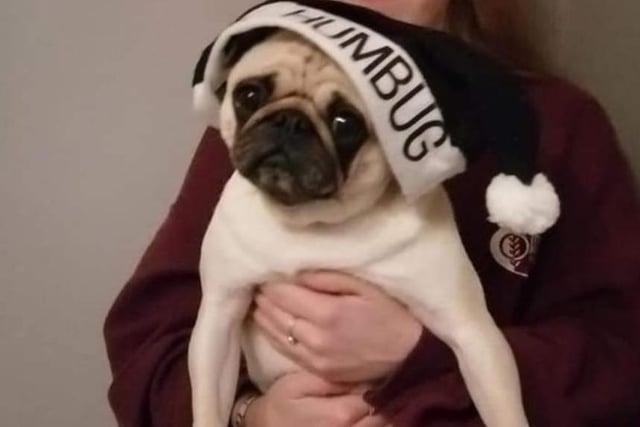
525,209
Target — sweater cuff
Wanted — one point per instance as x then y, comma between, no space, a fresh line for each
429,359
170,395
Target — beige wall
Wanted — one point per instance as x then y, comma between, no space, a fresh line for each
597,44
95,134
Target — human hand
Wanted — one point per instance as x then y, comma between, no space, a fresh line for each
347,330
302,399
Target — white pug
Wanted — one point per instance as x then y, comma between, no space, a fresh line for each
313,190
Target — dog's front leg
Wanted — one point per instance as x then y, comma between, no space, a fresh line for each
214,357
489,370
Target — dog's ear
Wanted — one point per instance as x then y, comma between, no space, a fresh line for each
239,44
201,66
232,52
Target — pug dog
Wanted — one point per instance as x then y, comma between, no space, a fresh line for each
312,190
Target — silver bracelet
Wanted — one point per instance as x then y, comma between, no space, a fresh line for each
239,413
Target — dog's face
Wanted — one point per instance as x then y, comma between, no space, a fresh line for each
296,129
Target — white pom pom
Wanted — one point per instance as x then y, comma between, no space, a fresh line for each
525,209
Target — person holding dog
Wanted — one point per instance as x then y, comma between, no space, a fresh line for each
568,302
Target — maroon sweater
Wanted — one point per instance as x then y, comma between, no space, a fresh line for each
569,304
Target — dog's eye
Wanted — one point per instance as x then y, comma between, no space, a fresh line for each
250,96
347,127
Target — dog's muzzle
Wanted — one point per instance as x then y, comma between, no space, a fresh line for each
283,155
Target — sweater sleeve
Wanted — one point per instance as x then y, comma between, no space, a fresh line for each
576,343
148,327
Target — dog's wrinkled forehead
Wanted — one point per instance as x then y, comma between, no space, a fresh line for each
297,68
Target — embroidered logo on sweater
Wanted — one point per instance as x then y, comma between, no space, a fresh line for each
514,252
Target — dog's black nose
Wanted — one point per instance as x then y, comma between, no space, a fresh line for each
292,122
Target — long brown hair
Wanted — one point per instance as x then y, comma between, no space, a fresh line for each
498,27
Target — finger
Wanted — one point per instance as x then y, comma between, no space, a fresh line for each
335,283
286,323
306,385
372,421
299,301
355,408
298,352
345,410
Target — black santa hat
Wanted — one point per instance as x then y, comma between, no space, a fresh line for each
433,101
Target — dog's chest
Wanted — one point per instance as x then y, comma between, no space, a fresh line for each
414,257
247,241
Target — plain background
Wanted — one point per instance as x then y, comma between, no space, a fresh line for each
96,132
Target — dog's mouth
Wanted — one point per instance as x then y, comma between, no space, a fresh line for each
284,156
